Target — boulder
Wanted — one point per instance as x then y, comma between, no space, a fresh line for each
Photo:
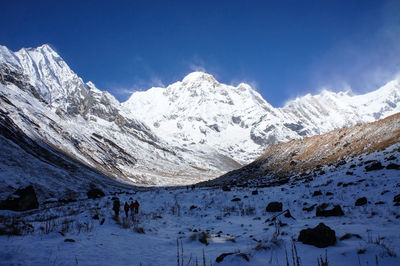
274,207
95,193
396,198
336,211
374,166
361,201
317,193
393,166
320,236
21,200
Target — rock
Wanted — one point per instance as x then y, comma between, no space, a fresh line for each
21,200
348,236
336,211
95,193
374,166
274,207
321,236
317,193
193,207
69,240
221,257
308,209
204,238
226,188
393,166
396,198
289,215
391,158
361,201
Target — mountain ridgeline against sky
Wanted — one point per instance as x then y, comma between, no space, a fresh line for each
193,130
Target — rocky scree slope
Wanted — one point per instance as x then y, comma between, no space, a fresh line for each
311,156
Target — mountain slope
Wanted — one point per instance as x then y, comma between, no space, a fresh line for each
208,116
193,130
311,156
49,103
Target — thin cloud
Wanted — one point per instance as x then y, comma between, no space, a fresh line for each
364,65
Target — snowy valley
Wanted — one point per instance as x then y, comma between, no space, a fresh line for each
205,160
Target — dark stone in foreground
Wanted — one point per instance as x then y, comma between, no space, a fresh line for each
321,236
374,166
393,166
317,193
396,198
95,193
274,207
221,257
21,200
361,201
336,211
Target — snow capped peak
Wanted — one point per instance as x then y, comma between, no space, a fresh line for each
198,76
47,72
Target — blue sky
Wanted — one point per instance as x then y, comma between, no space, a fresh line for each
283,48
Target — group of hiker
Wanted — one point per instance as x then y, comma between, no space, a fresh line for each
132,206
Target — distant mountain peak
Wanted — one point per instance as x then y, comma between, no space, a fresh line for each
198,77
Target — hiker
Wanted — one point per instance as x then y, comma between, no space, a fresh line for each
116,206
126,209
136,207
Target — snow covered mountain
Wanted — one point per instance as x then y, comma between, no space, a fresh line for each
193,130
207,116
49,103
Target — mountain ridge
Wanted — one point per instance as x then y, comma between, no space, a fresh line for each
193,130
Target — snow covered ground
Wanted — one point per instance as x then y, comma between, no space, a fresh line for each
184,215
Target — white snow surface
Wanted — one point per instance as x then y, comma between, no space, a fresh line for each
166,215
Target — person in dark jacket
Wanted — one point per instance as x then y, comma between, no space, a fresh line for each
116,206
126,209
135,207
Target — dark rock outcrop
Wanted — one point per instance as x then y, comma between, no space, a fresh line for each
374,166
317,193
361,201
274,207
320,236
95,193
396,198
21,200
336,211
393,166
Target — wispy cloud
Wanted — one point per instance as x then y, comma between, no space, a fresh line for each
364,65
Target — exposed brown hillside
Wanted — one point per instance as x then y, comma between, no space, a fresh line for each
298,157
